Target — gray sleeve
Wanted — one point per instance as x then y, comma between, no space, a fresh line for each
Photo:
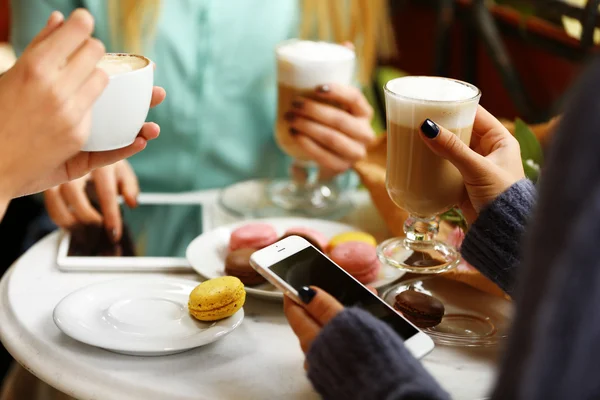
493,243
359,357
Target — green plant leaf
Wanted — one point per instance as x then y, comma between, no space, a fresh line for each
530,147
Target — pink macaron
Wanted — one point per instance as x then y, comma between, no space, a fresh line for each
359,259
313,236
254,236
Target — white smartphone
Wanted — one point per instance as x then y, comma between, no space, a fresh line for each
293,263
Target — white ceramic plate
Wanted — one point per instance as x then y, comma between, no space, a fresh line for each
138,316
207,252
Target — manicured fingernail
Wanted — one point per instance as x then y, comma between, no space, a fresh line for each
323,89
430,129
306,294
289,116
297,104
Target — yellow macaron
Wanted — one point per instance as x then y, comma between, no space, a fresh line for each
217,298
352,237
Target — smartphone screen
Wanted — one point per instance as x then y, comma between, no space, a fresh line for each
309,267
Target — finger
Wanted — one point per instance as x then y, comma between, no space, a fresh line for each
158,96
330,139
321,156
335,118
54,21
106,189
372,290
303,325
449,146
85,162
65,40
89,91
75,197
150,131
485,122
57,208
322,307
128,184
348,96
82,64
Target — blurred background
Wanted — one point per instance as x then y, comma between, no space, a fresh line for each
522,54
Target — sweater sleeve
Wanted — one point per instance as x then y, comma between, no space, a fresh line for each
493,243
359,357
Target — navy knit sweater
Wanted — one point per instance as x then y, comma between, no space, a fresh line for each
554,346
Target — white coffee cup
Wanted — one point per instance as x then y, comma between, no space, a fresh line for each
121,110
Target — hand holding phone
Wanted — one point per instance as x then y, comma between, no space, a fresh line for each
293,263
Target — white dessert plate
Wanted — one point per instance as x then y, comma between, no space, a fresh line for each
206,254
138,316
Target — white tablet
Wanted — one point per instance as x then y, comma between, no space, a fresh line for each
155,237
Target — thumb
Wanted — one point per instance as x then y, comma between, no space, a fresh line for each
449,146
319,304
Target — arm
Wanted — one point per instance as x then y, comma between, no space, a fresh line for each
28,17
358,357
493,242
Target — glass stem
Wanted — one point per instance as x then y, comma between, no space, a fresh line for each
420,229
303,175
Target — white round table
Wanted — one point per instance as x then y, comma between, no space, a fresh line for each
261,359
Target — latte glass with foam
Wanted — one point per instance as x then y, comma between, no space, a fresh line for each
417,180
302,66
121,110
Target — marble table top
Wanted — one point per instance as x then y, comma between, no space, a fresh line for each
261,359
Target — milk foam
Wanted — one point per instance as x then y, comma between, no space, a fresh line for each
304,64
450,103
114,64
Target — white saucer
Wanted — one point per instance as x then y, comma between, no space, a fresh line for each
206,254
138,316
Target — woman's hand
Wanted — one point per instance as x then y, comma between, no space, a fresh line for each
308,320
69,204
490,166
334,136
45,103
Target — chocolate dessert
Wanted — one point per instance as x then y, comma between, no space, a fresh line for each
419,308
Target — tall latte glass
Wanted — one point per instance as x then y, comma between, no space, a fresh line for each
417,180
301,67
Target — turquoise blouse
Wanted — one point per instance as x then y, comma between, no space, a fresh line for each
216,60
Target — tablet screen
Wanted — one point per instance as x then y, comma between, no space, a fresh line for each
150,230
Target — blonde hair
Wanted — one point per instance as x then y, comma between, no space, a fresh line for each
365,23
132,22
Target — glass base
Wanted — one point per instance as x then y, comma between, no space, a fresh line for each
255,199
472,317
290,196
427,257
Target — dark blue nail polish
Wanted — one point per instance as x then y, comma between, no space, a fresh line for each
294,131
323,89
306,294
430,129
